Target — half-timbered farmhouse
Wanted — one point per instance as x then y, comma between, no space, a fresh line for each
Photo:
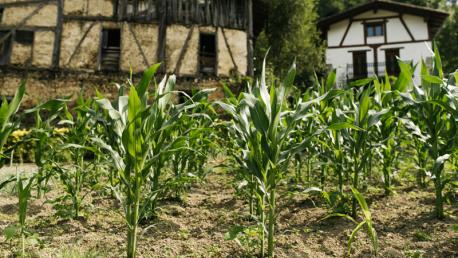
63,46
368,39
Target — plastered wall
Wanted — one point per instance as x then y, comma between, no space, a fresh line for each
43,47
176,38
237,41
131,56
21,54
15,15
89,7
86,56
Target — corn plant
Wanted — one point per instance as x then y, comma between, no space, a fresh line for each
24,188
433,107
75,175
143,124
7,110
364,117
42,137
263,127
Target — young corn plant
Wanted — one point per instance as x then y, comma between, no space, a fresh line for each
7,125
367,221
359,141
74,176
42,137
143,123
433,107
387,97
23,188
263,126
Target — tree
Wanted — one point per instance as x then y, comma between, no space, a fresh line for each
448,34
291,34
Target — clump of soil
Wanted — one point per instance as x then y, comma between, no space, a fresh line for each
196,226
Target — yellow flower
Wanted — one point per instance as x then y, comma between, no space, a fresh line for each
18,134
61,131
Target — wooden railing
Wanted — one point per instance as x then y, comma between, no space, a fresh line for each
221,13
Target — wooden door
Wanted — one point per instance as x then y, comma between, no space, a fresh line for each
391,62
359,64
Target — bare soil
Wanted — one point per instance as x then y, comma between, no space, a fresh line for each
195,226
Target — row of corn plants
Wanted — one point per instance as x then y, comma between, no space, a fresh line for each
143,147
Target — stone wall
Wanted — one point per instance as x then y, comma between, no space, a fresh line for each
45,85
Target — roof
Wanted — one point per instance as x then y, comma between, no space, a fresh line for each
434,17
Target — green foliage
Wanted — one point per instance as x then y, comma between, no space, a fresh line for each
7,110
449,33
433,108
291,34
142,137
23,189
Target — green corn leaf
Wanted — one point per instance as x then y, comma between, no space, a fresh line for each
438,63
353,234
16,101
148,75
432,79
343,125
362,203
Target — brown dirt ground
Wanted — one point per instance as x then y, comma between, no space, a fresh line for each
195,227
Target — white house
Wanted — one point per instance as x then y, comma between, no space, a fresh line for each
366,40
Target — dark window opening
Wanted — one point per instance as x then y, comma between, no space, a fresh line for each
359,64
5,47
24,37
391,62
1,13
111,49
374,29
207,54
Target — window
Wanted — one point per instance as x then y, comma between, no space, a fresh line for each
111,49
207,54
1,13
24,37
359,64
5,47
374,29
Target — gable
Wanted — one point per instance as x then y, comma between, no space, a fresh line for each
379,8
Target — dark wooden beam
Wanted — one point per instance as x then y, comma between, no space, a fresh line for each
401,18
385,31
58,34
376,18
139,46
88,18
250,37
80,42
162,14
350,22
375,49
25,3
31,28
389,43
183,51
